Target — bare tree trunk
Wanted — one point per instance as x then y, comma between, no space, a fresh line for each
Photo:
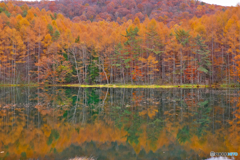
212,63
181,63
222,65
76,65
104,71
28,68
38,52
174,68
163,69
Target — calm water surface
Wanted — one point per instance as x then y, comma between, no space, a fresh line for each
125,124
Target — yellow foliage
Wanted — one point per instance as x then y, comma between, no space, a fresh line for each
24,22
19,17
30,15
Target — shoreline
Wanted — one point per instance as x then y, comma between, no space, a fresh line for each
123,86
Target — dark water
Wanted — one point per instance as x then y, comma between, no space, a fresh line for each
126,124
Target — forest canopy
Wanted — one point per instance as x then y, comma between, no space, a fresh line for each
167,11
38,44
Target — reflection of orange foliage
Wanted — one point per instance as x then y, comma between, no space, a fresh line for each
233,141
43,110
150,111
137,99
101,133
34,139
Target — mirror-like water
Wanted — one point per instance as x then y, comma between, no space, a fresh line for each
171,124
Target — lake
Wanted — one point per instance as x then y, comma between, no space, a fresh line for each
122,124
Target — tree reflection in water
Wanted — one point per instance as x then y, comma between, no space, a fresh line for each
61,123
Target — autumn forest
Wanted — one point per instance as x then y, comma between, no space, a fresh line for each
127,42
118,79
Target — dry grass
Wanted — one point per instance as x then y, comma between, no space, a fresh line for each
134,86
123,85
81,158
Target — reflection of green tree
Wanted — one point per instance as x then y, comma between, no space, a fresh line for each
154,130
23,156
122,118
203,122
116,114
54,135
200,130
83,101
130,121
184,135
134,130
92,97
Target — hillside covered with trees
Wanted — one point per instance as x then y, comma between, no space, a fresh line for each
41,46
167,11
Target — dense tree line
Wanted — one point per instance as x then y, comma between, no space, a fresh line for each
166,11
45,47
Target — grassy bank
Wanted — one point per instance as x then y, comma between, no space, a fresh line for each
20,85
135,86
153,86
124,85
